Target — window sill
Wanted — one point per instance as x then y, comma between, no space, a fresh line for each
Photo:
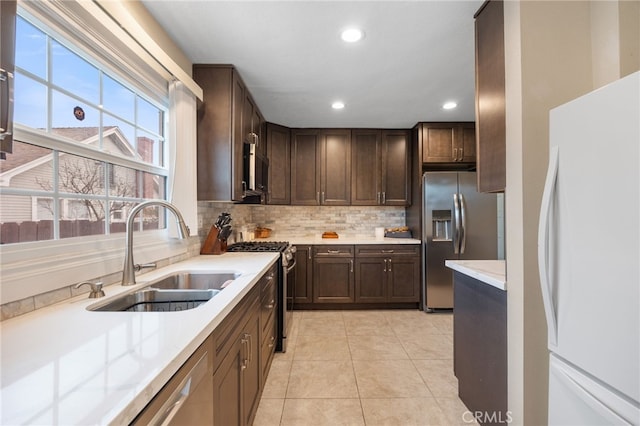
35,268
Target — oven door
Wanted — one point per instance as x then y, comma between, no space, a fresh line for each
288,297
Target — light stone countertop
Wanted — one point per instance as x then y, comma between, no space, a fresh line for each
342,239
66,365
492,272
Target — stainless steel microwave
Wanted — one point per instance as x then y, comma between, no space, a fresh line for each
255,171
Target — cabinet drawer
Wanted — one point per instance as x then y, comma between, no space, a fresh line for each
333,250
268,306
387,250
268,346
268,282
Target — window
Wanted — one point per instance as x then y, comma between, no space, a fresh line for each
92,144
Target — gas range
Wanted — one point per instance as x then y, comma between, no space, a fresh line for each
283,247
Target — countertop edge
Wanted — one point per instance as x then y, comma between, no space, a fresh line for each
491,272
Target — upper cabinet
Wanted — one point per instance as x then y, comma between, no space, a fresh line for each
7,69
380,167
279,154
227,119
321,167
448,143
490,97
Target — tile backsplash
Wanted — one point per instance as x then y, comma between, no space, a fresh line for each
303,220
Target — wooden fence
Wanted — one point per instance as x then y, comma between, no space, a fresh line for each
20,232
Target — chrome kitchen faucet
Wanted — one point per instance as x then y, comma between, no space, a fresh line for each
129,269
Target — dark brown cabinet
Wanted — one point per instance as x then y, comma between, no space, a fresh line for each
387,273
227,119
380,173
333,274
279,154
321,167
7,70
448,143
302,284
268,313
490,97
480,345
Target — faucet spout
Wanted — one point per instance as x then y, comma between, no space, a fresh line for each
128,270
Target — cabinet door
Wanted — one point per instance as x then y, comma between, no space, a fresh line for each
333,280
403,273
490,97
371,280
335,168
279,154
305,170
396,170
227,387
252,374
467,143
7,63
303,276
366,168
438,142
237,103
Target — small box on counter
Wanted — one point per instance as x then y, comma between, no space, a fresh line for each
402,232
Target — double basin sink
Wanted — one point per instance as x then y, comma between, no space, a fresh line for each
177,292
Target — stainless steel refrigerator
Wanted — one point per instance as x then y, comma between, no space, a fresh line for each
458,222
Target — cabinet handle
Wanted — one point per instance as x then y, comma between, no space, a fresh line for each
387,251
461,154
318,197
323,198
333,251
270,276
271,304
455,154
244,352
250,346
385,266
378,198
271,341
351,262
389,265
309,254
384,197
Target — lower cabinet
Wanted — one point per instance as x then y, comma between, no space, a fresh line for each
360,274
480,346
387,273
333,274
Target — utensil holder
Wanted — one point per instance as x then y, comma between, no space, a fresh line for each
212,245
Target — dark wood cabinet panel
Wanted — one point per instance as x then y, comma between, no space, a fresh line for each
380,167
7,64
227,118
387,273
448,143
396,168
320,167
490,97
227,392
333,274
279,154
252,373
303,276
480,345
335,169
366,169
305,167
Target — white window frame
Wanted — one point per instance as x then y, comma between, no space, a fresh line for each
34,268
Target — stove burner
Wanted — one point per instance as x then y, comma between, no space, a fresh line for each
280,246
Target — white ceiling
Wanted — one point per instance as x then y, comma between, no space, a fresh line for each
415,56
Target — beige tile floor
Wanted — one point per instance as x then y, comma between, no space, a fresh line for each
387,367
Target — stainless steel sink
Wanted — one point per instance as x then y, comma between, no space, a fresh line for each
195,280
177,292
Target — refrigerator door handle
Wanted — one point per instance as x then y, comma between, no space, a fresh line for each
457,223
463,223
544,236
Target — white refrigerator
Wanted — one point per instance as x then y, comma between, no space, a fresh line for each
589,257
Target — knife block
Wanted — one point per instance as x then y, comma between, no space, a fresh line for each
212,245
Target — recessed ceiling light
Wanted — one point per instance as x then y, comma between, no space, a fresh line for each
337,105
352,35
449,105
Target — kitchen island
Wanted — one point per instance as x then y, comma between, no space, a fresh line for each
65,364
480,337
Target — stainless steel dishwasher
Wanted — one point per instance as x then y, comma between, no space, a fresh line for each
187,399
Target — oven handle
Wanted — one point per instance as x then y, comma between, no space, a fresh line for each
288,269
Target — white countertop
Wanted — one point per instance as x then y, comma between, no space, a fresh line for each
342,239
492,272
66,365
